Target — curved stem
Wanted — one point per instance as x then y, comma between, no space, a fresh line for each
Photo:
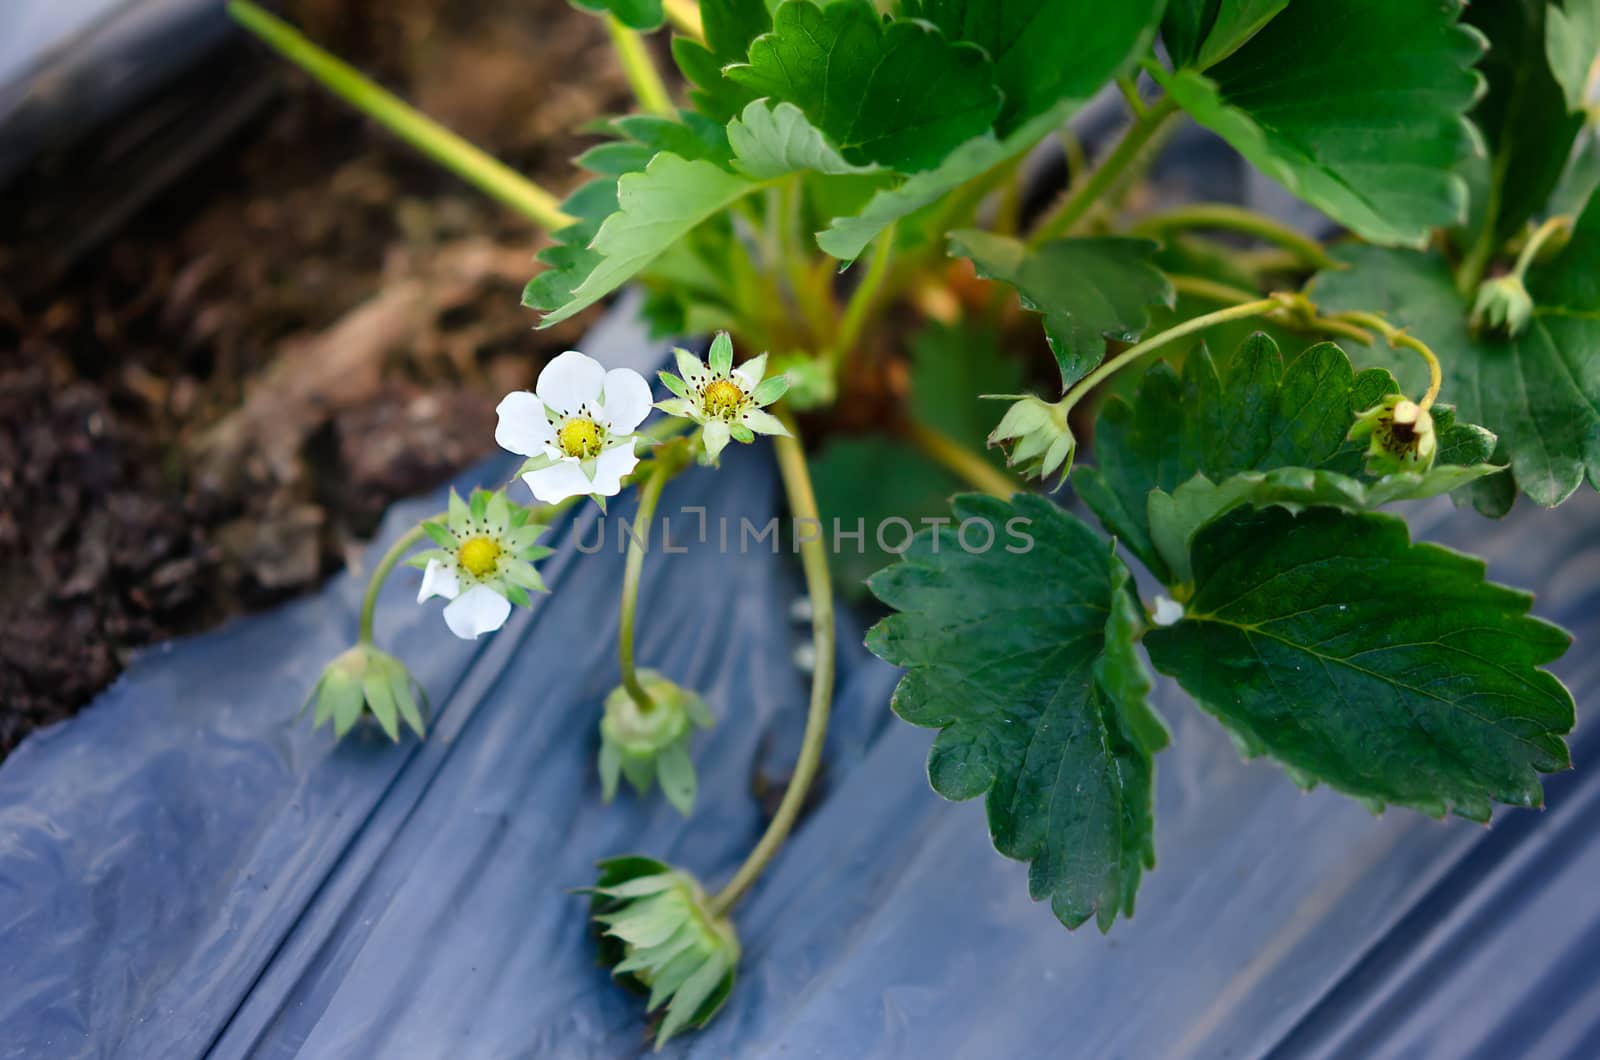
639,541
1079,200
643,76
1227,294
1537,241
814,559
396,552
861,300
1223,217
1260,307
471,164
967,465
1398,338
1476,263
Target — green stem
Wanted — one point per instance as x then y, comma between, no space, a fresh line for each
1476,263
471,164
1222,217
1079,201
1227,294
643,76
1536,242
967,465
861,300
1398,338
649,494
1260,307
396,552
814,559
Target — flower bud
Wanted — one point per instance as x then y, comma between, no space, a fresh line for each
657,928
649,745
1503,305
1401,433
1037,438
366,682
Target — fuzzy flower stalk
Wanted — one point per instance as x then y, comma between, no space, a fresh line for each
728,402
658,932
483,562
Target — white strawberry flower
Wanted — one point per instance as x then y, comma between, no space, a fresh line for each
483,563
576,429
728,402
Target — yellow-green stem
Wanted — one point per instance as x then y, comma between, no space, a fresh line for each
1399,339
861,300
1227,294
639,541
643,77
397,551
1260,307
1079,201
1536,242
471,164
1226,218
814,560
967,465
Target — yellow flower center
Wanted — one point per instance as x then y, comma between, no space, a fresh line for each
478,556
580,438
723,399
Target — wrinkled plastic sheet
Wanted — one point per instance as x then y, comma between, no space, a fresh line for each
188,869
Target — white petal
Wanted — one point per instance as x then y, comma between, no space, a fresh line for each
751,372
716,438
558,482
611,467
523,428
438,580
570,382
478,611
764,422
1168,611
627,400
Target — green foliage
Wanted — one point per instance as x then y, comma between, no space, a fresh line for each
1043,710
773,141
1354,105
1044,51
1199,33
1521,116
865,82
1087,290
1572,40
1389,670
1539,391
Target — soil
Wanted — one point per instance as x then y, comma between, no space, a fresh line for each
210,411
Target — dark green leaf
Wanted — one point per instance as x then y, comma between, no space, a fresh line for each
1041,709
1539,392
635,14
1357,106
1256,416
1523,114
1088,290
1045,51
899,94
730,26
1199,33
1388,670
